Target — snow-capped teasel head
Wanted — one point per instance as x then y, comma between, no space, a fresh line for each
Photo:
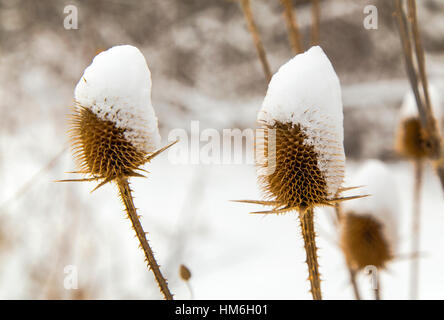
377,215
116,87
304,105
114,129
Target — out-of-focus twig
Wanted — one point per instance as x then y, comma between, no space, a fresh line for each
420,60
352,273
416,228
315,21
354,283
410,38
246,8
293,31
29,183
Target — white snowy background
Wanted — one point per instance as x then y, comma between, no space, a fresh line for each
204,67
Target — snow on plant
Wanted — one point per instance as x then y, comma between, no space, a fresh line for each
114,129
369,226
414,143
411,138
303,112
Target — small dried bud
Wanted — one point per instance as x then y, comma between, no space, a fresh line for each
184,272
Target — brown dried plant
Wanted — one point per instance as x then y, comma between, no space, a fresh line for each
416,70
418,137
315,22
294,35
296,184
103,152
363,242
246,9
185,275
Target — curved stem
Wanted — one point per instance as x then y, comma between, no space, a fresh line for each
127,198
309,235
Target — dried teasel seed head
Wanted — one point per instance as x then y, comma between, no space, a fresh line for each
369,226
184,272
114,127
412,140
363,241
101,148
303,111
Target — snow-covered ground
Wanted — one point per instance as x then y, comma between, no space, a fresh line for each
190,220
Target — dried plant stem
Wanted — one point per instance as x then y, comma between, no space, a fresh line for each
315,21
246,8
377,289
420,60
293,31
354,283
416,227
31,182
410,37
306,218
190,289
127,199
352,272
407,50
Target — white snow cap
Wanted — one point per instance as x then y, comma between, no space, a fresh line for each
306,91
117,87
410,110
383,203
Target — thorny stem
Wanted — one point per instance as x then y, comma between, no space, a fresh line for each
246,8
416,227
306,218
127,198
292,26
354,283
315,14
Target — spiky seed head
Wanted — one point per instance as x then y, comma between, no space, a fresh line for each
101,149
184,272
412,140
304,106
114,127
363,241
296,180
369,226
